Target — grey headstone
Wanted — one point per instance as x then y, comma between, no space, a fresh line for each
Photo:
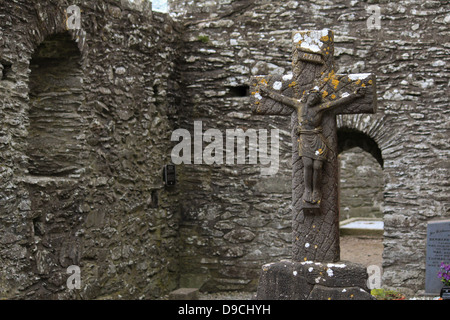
438,251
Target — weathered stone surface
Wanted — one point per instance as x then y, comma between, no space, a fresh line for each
308,280
85,121
239,235
195,68
410,128
184,294
343,293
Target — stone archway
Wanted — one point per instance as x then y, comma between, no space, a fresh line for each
360,150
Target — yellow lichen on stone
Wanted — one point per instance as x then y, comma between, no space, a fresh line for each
324,94
335,82
333,96
293,83
331,75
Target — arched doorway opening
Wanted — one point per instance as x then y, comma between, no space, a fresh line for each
361,187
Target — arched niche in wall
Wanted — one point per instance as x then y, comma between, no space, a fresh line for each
57,154
55,145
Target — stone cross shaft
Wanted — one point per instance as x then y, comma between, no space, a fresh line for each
313,94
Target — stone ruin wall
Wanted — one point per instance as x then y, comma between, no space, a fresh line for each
85,126
241,219
141,75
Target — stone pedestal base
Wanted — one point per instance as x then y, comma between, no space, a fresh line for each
290,280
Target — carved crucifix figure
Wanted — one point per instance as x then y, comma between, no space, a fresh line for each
312,145
313,94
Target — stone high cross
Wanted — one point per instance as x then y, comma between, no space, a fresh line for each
313,94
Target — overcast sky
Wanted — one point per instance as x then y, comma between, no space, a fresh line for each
159,5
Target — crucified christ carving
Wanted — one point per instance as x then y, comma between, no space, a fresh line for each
312,147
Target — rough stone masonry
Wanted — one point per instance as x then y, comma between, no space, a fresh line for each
229,41
133,76
86,117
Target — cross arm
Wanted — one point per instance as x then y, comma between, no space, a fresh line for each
272,95
287,101
344,100
350,94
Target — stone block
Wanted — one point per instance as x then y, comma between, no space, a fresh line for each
290,280
184,294
348,293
